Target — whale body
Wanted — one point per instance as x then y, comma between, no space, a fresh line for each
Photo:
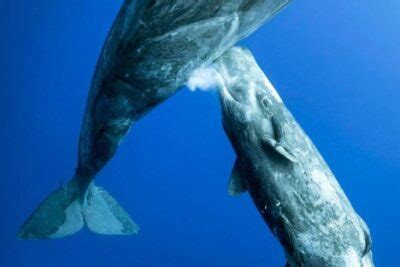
151,50
291,185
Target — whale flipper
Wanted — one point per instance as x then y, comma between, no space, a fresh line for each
64,213
237,184
279,148
278,143
286,153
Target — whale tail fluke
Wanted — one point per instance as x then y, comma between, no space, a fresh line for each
68,209
103,215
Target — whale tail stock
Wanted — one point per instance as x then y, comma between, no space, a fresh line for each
68,209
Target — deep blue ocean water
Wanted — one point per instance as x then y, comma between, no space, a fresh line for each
336,65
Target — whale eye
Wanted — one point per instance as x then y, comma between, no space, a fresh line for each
266,102
266,107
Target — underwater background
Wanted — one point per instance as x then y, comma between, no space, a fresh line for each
336,65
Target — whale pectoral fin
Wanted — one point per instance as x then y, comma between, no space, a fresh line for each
278,143
280,148
286,153
237,184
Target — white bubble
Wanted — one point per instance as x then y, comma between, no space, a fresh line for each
204,78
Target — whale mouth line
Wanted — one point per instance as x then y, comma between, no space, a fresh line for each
228,94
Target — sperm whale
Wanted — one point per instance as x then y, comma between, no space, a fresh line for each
291,185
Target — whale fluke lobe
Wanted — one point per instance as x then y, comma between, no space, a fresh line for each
69,208
58,209
103,215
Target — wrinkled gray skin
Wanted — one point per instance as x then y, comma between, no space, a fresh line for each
151,50
288,180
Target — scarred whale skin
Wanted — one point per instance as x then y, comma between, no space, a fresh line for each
152,48
287,178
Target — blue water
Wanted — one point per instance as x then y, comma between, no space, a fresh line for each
335,63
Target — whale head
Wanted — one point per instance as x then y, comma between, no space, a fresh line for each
248,99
